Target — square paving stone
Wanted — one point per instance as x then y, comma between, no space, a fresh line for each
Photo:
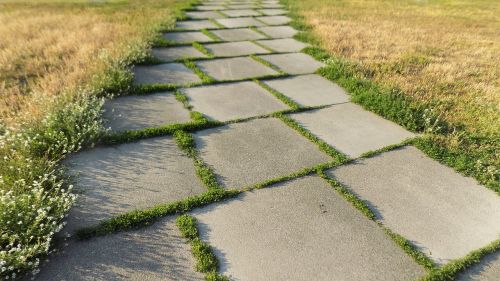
247,153
195,24
486,270
122,178
283,45
273,12
233,101
234,49
351,129
237,34
443,213
275,20
174,53
309,90
204,15
157,252
187,37
278,31
234,68
239,22
169,73
294,63
146,111
300,230
240,13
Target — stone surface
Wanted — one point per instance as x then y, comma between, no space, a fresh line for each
126,177
300,230
278,31
275,20
443,213
234,68
204,15
294,63
309,90
209,7
234,49
169,73
351,129
272,6
195,24
240,13
237,34
283,45
157,252
487,270
233,101
273,12
239,22
174,53
240,6
187,37
247,153
147,111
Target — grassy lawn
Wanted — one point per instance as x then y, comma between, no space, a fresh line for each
440,55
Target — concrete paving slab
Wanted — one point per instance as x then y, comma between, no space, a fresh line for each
168,73
204,15
175,53
157,252
300,230
239,22
487,270
113,180
275,20
187,37
294,63
351,129
147,111
283,45
234,68
237,34
278,31
233,101
309,90
247,153
195,24
234,49
443,213
273,12
240,13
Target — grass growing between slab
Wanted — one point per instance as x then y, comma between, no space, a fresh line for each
206,261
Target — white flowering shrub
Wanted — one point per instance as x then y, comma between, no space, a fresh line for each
34,197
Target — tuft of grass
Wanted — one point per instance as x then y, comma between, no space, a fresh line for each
410,249
203,76
202,49
286,100
268,64
211,35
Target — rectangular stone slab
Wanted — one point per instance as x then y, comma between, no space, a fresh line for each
113,180
275,20
278,31
240,13
294,63
443,213
285,45
300,230
309,90
273,12
234,68
237,34
234,49
239,22
233,101
168,73
351,129
175,53
204,15
247,153
146,111
157,252
195,24
187,37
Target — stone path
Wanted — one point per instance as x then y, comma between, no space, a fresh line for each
236,62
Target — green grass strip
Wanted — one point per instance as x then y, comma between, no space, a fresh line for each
202,49
206,261
212,36
410,249
268,64
204,77
286,100
450,270
386,149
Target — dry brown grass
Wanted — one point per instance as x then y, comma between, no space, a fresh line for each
51,48
443,52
